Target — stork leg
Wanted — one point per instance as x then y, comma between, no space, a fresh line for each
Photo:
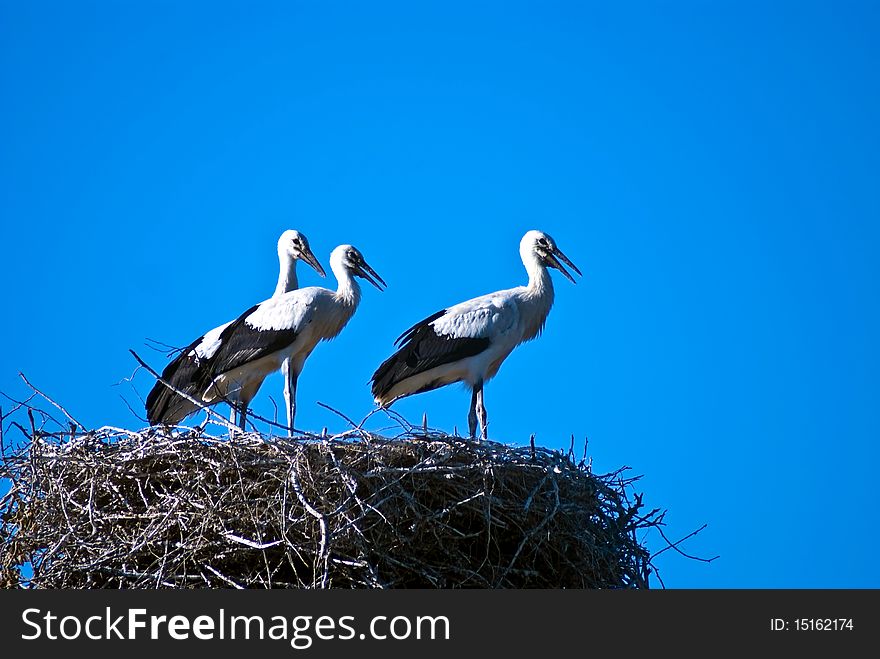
290,378
233,410
481,414
238,406
476,401
244,399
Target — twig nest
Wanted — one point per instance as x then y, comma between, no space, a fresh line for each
113,509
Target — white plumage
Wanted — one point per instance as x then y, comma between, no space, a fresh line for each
285,328
184,372
469,341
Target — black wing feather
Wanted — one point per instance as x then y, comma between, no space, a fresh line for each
185,373
421,349
241,343
427,321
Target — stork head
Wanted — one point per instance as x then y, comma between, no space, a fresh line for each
351,259
541,246
296,246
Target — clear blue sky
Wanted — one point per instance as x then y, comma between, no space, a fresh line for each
711,167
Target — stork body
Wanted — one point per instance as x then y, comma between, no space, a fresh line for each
469,341
283,329
186,371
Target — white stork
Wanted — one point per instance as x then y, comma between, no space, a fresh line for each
286,327
469,341
183,372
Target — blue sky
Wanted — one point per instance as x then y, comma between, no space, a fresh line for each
712,168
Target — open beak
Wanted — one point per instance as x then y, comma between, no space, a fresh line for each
371,276
309,258
554,262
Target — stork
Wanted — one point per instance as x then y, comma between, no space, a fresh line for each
184,371
468,342
283,328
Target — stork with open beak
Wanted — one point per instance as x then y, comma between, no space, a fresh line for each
469,341
283,329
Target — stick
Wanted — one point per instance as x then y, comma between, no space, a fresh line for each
63,411
340,414
201,405
674,545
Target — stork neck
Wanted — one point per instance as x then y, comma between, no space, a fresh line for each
348,291
536,299
287,280
540,282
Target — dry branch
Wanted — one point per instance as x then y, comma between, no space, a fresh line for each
168,508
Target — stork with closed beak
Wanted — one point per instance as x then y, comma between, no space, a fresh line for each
185,371
284,328
469,341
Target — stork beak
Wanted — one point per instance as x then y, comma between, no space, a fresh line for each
365,271
554,261
310,258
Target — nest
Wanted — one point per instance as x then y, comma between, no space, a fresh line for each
182,509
